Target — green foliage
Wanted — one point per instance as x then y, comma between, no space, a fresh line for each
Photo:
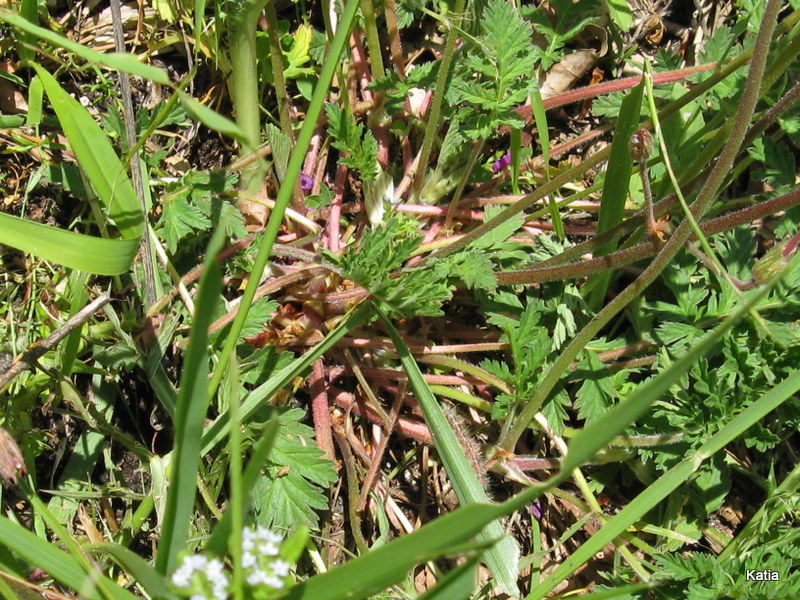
495,69
258,317
474,268
530,344
741,369
559,24
298,54
410,11
192,206
779,170
699,576
291,487
358,145
421,76
382,251
600,388
497,76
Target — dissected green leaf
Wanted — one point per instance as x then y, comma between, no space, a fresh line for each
354,140
298,54
181,219
382,251
290,489
493,79
474,268
559,23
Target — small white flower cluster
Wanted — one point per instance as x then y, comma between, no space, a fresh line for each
260,546
201,573
206,579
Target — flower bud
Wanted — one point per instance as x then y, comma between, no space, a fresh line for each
641,145
771,264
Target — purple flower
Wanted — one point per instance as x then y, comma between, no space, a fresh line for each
306,182
535,510
502,162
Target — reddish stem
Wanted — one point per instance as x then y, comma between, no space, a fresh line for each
405,426
606,87
320,409
334,243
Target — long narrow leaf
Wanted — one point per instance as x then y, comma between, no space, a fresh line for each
96,157
142,572
113,60
388,564
503,557
615,188
74,250
458,584
57,563
190,412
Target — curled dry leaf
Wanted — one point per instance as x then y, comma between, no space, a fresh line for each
255,211
564,74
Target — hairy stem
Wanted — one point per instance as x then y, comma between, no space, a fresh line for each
707,194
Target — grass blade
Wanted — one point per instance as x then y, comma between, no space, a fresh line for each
287,187
388,564
615,188
503,557
141,571
457,584
190,411
113,60
96,157
540,118
74,250
57,563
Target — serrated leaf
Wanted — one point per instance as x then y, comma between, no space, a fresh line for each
281,148
180,219
291,488
736,248
500,233
495,77
382,251
594,395
671,332
779,164
475,269
356,143
258,317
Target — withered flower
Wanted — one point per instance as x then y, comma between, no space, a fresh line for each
12,464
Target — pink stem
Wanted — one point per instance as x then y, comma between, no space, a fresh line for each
320,409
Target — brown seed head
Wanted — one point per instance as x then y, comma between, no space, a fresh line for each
641,145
